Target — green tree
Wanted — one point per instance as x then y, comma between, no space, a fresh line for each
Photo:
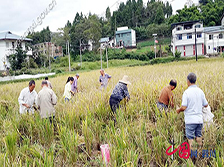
17,60
93,30
159,18
108,14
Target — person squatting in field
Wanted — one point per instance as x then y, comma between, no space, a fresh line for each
192,102
68,89
27,99
104,79
46,100
119,93
166,97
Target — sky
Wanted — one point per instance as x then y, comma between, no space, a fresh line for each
18,15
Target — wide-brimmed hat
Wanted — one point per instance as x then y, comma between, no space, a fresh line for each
125,80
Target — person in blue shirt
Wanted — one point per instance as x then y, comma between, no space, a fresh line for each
193,101
119,93
104,79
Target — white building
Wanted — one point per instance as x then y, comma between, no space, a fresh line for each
184,38
110,43
209,40
214,39
8,44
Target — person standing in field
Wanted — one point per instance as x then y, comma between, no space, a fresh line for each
48,83
166,97
74,85
68,89
192,102
46,100
27,99
119,93
104,79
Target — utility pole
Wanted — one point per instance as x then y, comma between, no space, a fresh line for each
69,58
49,56
106,54
196,53
80,51
154,35
101,57
115,34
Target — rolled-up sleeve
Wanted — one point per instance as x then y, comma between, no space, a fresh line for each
184,99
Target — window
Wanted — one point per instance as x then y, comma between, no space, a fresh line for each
13,45
179,28
220,36
179,37
198,26
121,35
210,37
189,36
199,35
209,47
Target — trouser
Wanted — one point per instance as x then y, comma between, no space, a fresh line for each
114,105
51,119
162,107
67,99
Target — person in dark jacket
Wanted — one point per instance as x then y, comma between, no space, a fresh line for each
119,93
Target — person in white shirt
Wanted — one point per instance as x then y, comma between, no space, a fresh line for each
27,99
68,89
192,102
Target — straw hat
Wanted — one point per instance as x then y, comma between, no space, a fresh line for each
125,80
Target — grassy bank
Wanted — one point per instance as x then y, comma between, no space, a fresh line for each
161,41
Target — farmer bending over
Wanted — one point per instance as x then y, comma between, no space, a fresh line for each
120,92
166,96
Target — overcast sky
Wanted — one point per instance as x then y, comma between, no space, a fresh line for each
18,15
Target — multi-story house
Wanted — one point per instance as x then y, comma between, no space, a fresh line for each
125,37
8,44
183,38
187,36
48,49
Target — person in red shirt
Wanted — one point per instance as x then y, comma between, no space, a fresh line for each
166,96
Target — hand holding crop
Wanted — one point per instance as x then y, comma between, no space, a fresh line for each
26,105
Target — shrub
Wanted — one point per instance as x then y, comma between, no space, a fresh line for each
222,55
177,54
139,46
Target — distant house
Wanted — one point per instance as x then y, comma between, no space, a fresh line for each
214,39
8,44
209,40
89,46
184,38
107,42
125,37
46,49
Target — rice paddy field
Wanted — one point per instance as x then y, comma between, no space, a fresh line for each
141,135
